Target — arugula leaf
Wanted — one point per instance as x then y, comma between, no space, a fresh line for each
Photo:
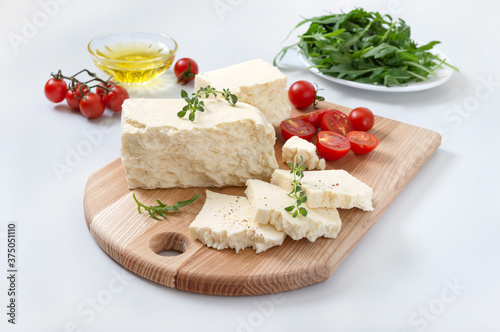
159,211
366,47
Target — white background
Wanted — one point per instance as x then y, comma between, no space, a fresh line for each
441,230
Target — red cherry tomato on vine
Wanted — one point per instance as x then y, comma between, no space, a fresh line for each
115,98
185,70
332,146
362,118
362,142
313,117
81,90
72,101
55,90
296,127
92,106
100,91
336,121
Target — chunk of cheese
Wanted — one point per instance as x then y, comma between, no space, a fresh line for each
225,222
269,202
296,146
224,146
329,189
255,82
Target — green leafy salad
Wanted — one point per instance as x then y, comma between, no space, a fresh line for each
366,47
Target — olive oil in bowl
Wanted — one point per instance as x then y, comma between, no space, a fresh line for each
130,60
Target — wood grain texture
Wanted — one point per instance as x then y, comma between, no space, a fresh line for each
134,240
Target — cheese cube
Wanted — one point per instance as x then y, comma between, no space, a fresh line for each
225,222
269,202
224,146
296,146
329,189
255,82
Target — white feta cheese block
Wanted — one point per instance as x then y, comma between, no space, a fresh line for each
224,146
269,202
329,189
255,82
225,222
296,146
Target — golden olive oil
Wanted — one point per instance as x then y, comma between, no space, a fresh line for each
134,62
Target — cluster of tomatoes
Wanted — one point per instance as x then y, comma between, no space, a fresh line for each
339,132
79,95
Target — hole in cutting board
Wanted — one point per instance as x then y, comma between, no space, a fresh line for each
169,244
169,253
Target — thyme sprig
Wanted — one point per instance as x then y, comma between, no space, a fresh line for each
160,210
297,193
194,104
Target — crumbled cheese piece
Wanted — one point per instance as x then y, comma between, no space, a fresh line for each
296,146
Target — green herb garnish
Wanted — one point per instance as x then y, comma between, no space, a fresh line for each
194,104
161,209
297,193
366,47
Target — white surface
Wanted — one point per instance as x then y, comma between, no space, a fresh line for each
443,74
443,227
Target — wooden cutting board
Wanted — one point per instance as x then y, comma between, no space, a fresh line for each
134,240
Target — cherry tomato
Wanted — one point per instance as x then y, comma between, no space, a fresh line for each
362,142
185,70
313,117
336,121
71,100
362,118
92,106
296,127
332,146
81,88
100,91
115,97
302,94
55,90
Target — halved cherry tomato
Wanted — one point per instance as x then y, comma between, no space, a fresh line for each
337,122
313,117
332,146
296,127
362,142
362,119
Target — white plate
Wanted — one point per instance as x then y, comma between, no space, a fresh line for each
443,75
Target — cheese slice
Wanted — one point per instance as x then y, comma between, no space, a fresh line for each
224,146
225,222
298,147
255,82
329,189
269,202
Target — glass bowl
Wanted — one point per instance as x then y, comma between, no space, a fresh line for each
133,57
